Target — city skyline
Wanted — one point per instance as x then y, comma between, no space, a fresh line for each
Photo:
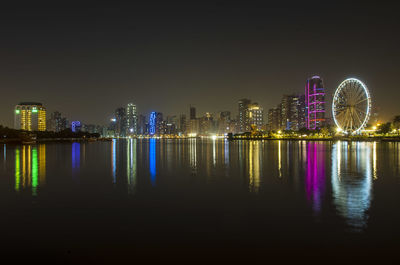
98,58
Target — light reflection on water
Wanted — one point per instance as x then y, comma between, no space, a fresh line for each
339,173
352,173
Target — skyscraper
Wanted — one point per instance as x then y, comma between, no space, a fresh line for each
192,113
274,119
290,112
30,116
120,122
244,123
57,123
131,119
256,116
315,103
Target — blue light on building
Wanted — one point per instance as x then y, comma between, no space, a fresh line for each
76,126
152,123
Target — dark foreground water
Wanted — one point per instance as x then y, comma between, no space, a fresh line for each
194,199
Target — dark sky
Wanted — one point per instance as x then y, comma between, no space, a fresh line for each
86,59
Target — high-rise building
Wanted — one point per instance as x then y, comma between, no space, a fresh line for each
120,122
302,111
256,116
290,112
131,119
30,116
274,119
315,103
182,124
192,113
251,116
57,123
142,128
224,122
243,119
156,123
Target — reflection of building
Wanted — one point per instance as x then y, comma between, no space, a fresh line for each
315,174
30,116
30,167
315,103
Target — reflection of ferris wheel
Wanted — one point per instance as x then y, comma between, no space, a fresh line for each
351,106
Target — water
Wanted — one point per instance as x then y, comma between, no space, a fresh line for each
156,194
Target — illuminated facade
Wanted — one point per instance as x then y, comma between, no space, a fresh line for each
30,116
315,103
131,119
256,116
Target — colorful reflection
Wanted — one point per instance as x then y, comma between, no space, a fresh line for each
152,161
131,166
315,174
76,155
30,167
352,181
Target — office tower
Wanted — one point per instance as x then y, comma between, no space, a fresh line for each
57,123
131,119
274,119
142,128
224,122
120,122
243,119
315,103
290,112
192,113
301,109
156,123
30,116
255,116
207,124
182,124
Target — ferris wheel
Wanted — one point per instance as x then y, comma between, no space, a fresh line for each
351,106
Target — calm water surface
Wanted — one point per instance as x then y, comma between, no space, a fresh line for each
199,192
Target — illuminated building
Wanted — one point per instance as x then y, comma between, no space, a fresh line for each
182,124
120,122
156,123
256,116
131,119
244,124
274,119
30,116
224,122
251,115
292,112
76,126
315,103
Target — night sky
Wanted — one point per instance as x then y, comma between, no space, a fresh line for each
85,60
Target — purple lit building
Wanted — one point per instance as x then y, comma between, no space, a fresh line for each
315,103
